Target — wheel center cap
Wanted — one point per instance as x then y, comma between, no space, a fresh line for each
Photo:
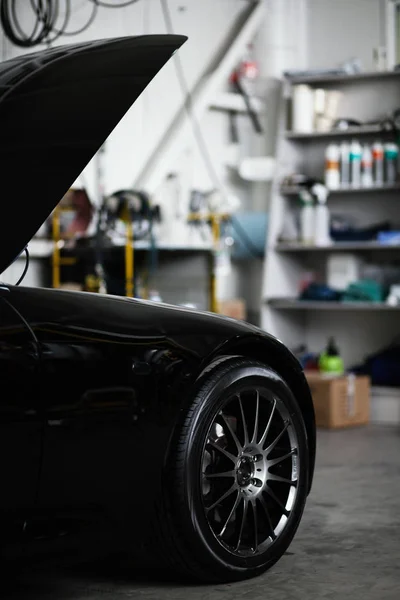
244,471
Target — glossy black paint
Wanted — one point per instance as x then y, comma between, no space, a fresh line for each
57,107
96,385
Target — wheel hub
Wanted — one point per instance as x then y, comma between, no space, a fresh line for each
245,471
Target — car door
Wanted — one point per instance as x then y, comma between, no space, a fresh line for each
20,424
90,401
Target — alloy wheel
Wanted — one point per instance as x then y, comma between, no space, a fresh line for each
250,472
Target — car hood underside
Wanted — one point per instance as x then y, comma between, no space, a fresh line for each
56,109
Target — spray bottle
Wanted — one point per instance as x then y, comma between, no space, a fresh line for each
322,217
332,173
355,163
344,164
377,155
391,162
307,217
366,165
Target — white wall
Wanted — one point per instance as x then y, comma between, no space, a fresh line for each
343,29
206,23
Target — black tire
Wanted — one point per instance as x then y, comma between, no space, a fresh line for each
187,541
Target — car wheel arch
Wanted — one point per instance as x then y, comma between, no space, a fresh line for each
276,356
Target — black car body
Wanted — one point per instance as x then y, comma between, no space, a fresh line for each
109,405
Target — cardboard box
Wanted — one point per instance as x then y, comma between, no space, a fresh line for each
340,401
235,308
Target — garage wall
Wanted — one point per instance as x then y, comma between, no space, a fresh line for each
206,23
344,29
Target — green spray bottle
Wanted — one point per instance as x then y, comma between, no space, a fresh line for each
330,361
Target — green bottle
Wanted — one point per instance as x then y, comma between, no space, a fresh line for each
330,361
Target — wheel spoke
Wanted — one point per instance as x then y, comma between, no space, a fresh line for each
276,440
234,507
227,426
273,477
266,430
267,515
223,474
222,451
228,492
255,525
255,433
275,498
279,459
245,432
242,524
246,509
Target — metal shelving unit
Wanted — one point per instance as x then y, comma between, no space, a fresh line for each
360,328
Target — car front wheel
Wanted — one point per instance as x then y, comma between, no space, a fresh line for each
237,475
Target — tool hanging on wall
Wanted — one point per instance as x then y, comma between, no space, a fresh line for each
247,69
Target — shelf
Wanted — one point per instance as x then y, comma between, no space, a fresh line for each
338,133
336,247
294,190
342,78
43,248
294,304
145,245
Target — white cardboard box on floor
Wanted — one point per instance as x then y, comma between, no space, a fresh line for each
385,405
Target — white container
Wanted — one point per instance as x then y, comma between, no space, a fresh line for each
332,173
332,103
380,58
355,163
322,216
321,227
344,164
342,269
257,168
303,109
366,167
319,101
323,124
307,218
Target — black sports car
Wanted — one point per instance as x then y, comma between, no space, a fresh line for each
183,438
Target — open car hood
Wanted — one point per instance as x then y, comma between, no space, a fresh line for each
56,109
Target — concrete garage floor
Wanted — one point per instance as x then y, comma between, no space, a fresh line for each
348,545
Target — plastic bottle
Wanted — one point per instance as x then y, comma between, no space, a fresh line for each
344,164
330,361
332,173
222,257
307,218
322,216
366,167
377,156
391,151
355,163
